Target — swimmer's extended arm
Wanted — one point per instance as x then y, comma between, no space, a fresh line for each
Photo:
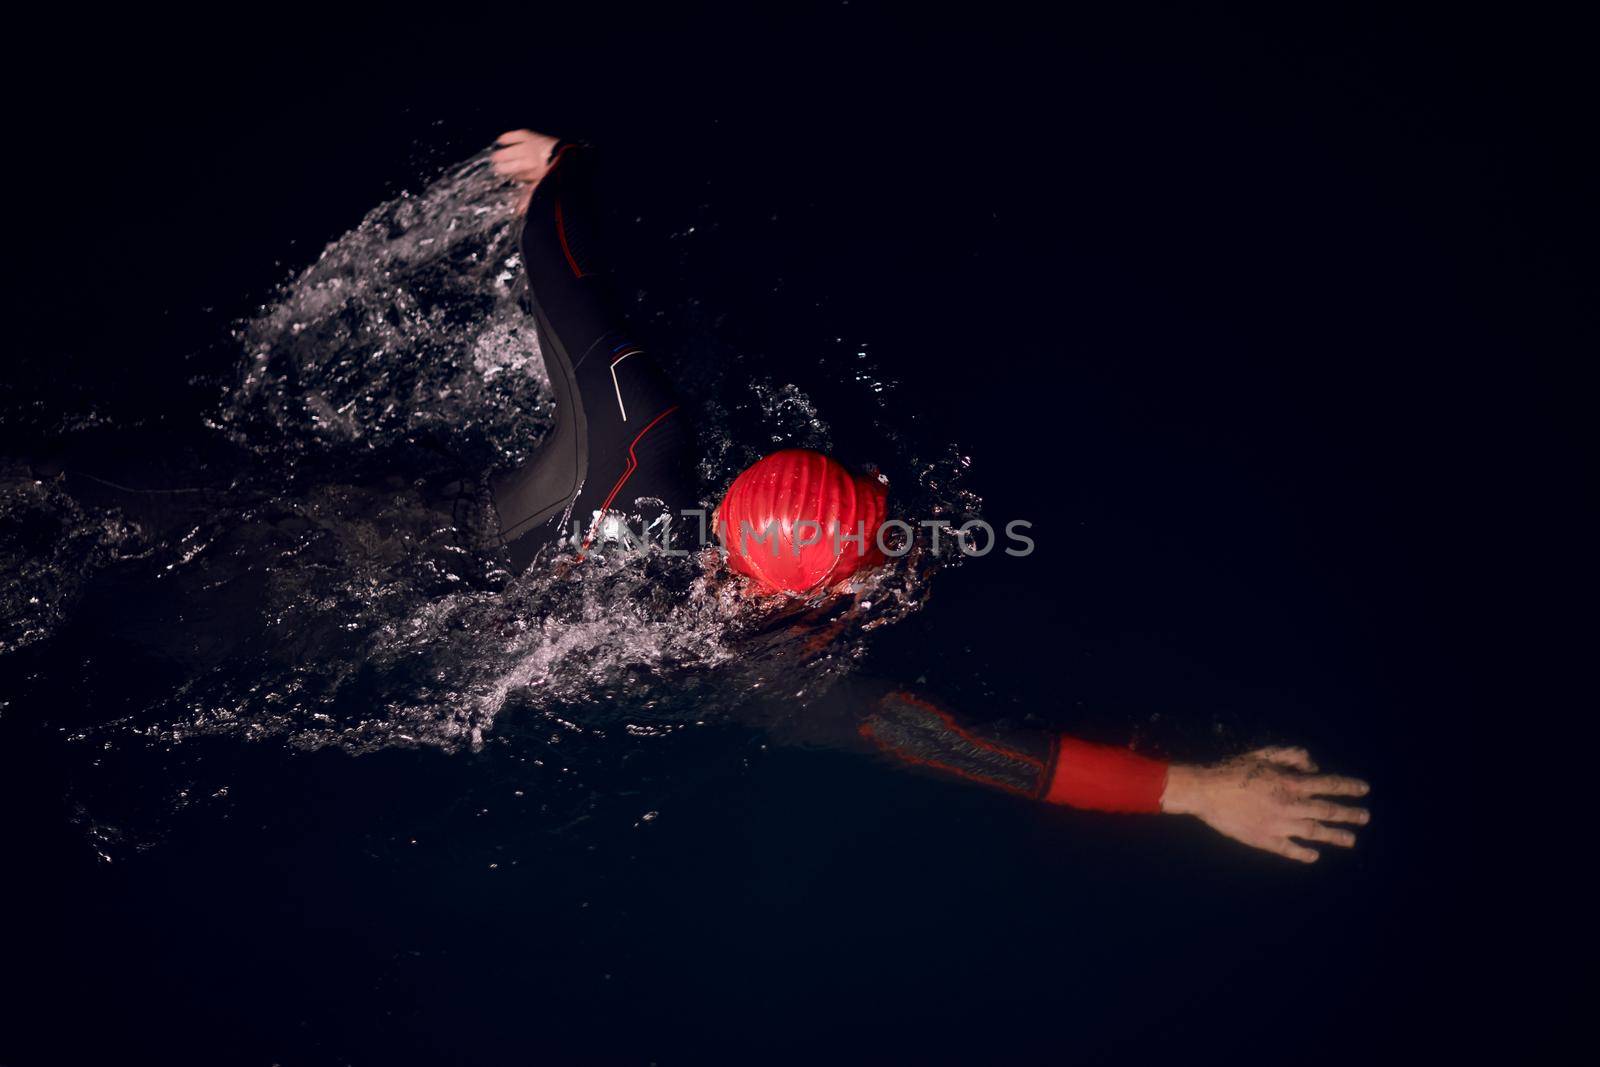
1272,799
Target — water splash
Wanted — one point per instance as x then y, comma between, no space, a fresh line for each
407,330
51,547
342,591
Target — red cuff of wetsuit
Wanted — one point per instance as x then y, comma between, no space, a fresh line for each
1105,778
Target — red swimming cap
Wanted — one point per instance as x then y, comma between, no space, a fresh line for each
785,520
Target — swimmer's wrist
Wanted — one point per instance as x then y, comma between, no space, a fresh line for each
1186,789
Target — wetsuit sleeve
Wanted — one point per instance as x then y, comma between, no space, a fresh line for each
561,253
620,443
911,730
1054,768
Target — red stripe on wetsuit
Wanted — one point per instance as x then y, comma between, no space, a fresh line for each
627,472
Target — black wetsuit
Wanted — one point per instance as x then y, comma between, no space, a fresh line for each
622,442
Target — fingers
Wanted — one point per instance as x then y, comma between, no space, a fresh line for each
512,137
517,149
516,158
1288,849
519,171
1328,811
1287,756
1333,785
1310,830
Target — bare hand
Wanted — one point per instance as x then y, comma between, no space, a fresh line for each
523,156
1272,799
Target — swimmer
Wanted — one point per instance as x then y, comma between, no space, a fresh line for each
622,449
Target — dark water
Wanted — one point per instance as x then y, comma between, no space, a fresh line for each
1249,320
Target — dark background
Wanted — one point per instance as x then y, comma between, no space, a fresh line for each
1264,319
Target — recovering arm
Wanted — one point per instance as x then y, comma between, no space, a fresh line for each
620,442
